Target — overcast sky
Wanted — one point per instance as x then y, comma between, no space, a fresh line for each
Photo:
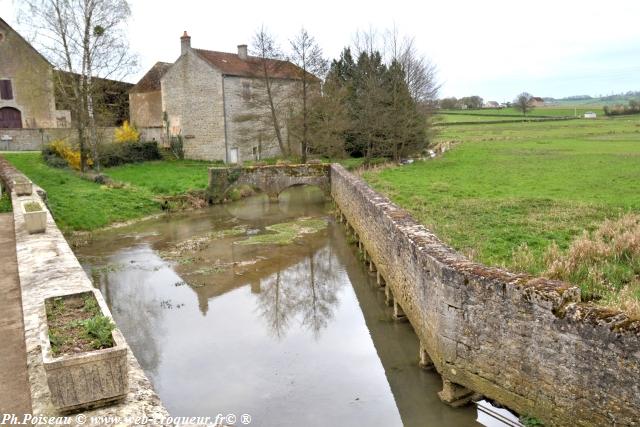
492,48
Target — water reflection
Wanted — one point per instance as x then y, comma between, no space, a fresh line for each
274,331
307,290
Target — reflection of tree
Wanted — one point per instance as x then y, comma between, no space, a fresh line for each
319,298
307,290
277,304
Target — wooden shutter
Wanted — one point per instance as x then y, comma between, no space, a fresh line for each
5,89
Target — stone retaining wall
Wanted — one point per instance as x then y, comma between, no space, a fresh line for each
527,343
35,139
47,267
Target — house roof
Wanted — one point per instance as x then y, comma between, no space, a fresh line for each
231,64
4,23
150,82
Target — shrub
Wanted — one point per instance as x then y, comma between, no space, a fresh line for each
128,152
61,149
619,109
127,133
177,146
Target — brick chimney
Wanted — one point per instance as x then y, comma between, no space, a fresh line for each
185,43
242,51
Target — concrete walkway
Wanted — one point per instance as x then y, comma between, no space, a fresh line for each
15,393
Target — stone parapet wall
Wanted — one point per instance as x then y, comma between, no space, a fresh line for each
47,267
528,343
271,180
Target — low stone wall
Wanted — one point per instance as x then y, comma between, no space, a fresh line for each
525,342
154,134
47,267
35,139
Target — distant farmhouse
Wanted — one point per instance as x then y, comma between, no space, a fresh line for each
491,104
536,101
215,102
31,105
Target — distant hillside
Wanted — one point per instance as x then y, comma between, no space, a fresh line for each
587,100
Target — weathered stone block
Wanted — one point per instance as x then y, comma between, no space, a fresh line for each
36,221
23,187
90,379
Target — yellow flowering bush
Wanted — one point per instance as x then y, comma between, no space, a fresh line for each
127,133
63,149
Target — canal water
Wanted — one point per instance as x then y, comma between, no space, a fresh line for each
264,308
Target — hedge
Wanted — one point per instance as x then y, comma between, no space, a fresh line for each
119,153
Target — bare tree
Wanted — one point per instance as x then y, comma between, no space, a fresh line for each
420,72
84,40
266,50
307,55
523,103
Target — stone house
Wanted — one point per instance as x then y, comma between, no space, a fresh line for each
27,95
217,103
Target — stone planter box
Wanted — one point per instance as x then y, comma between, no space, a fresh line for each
22,187
35,221
86,380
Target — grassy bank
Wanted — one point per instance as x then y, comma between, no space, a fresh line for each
508,192
79,204
167,178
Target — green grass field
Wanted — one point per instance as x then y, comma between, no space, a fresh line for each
456,118
538,111
511,184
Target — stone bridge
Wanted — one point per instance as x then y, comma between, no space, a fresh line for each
271,180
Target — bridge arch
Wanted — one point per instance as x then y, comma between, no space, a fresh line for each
272,180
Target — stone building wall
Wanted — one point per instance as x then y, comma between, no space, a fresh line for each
31,78
145,109
528,343
192,98
248,116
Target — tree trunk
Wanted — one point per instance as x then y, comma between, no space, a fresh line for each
93,137
274,117
305,124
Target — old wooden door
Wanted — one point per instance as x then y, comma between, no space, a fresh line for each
10,118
